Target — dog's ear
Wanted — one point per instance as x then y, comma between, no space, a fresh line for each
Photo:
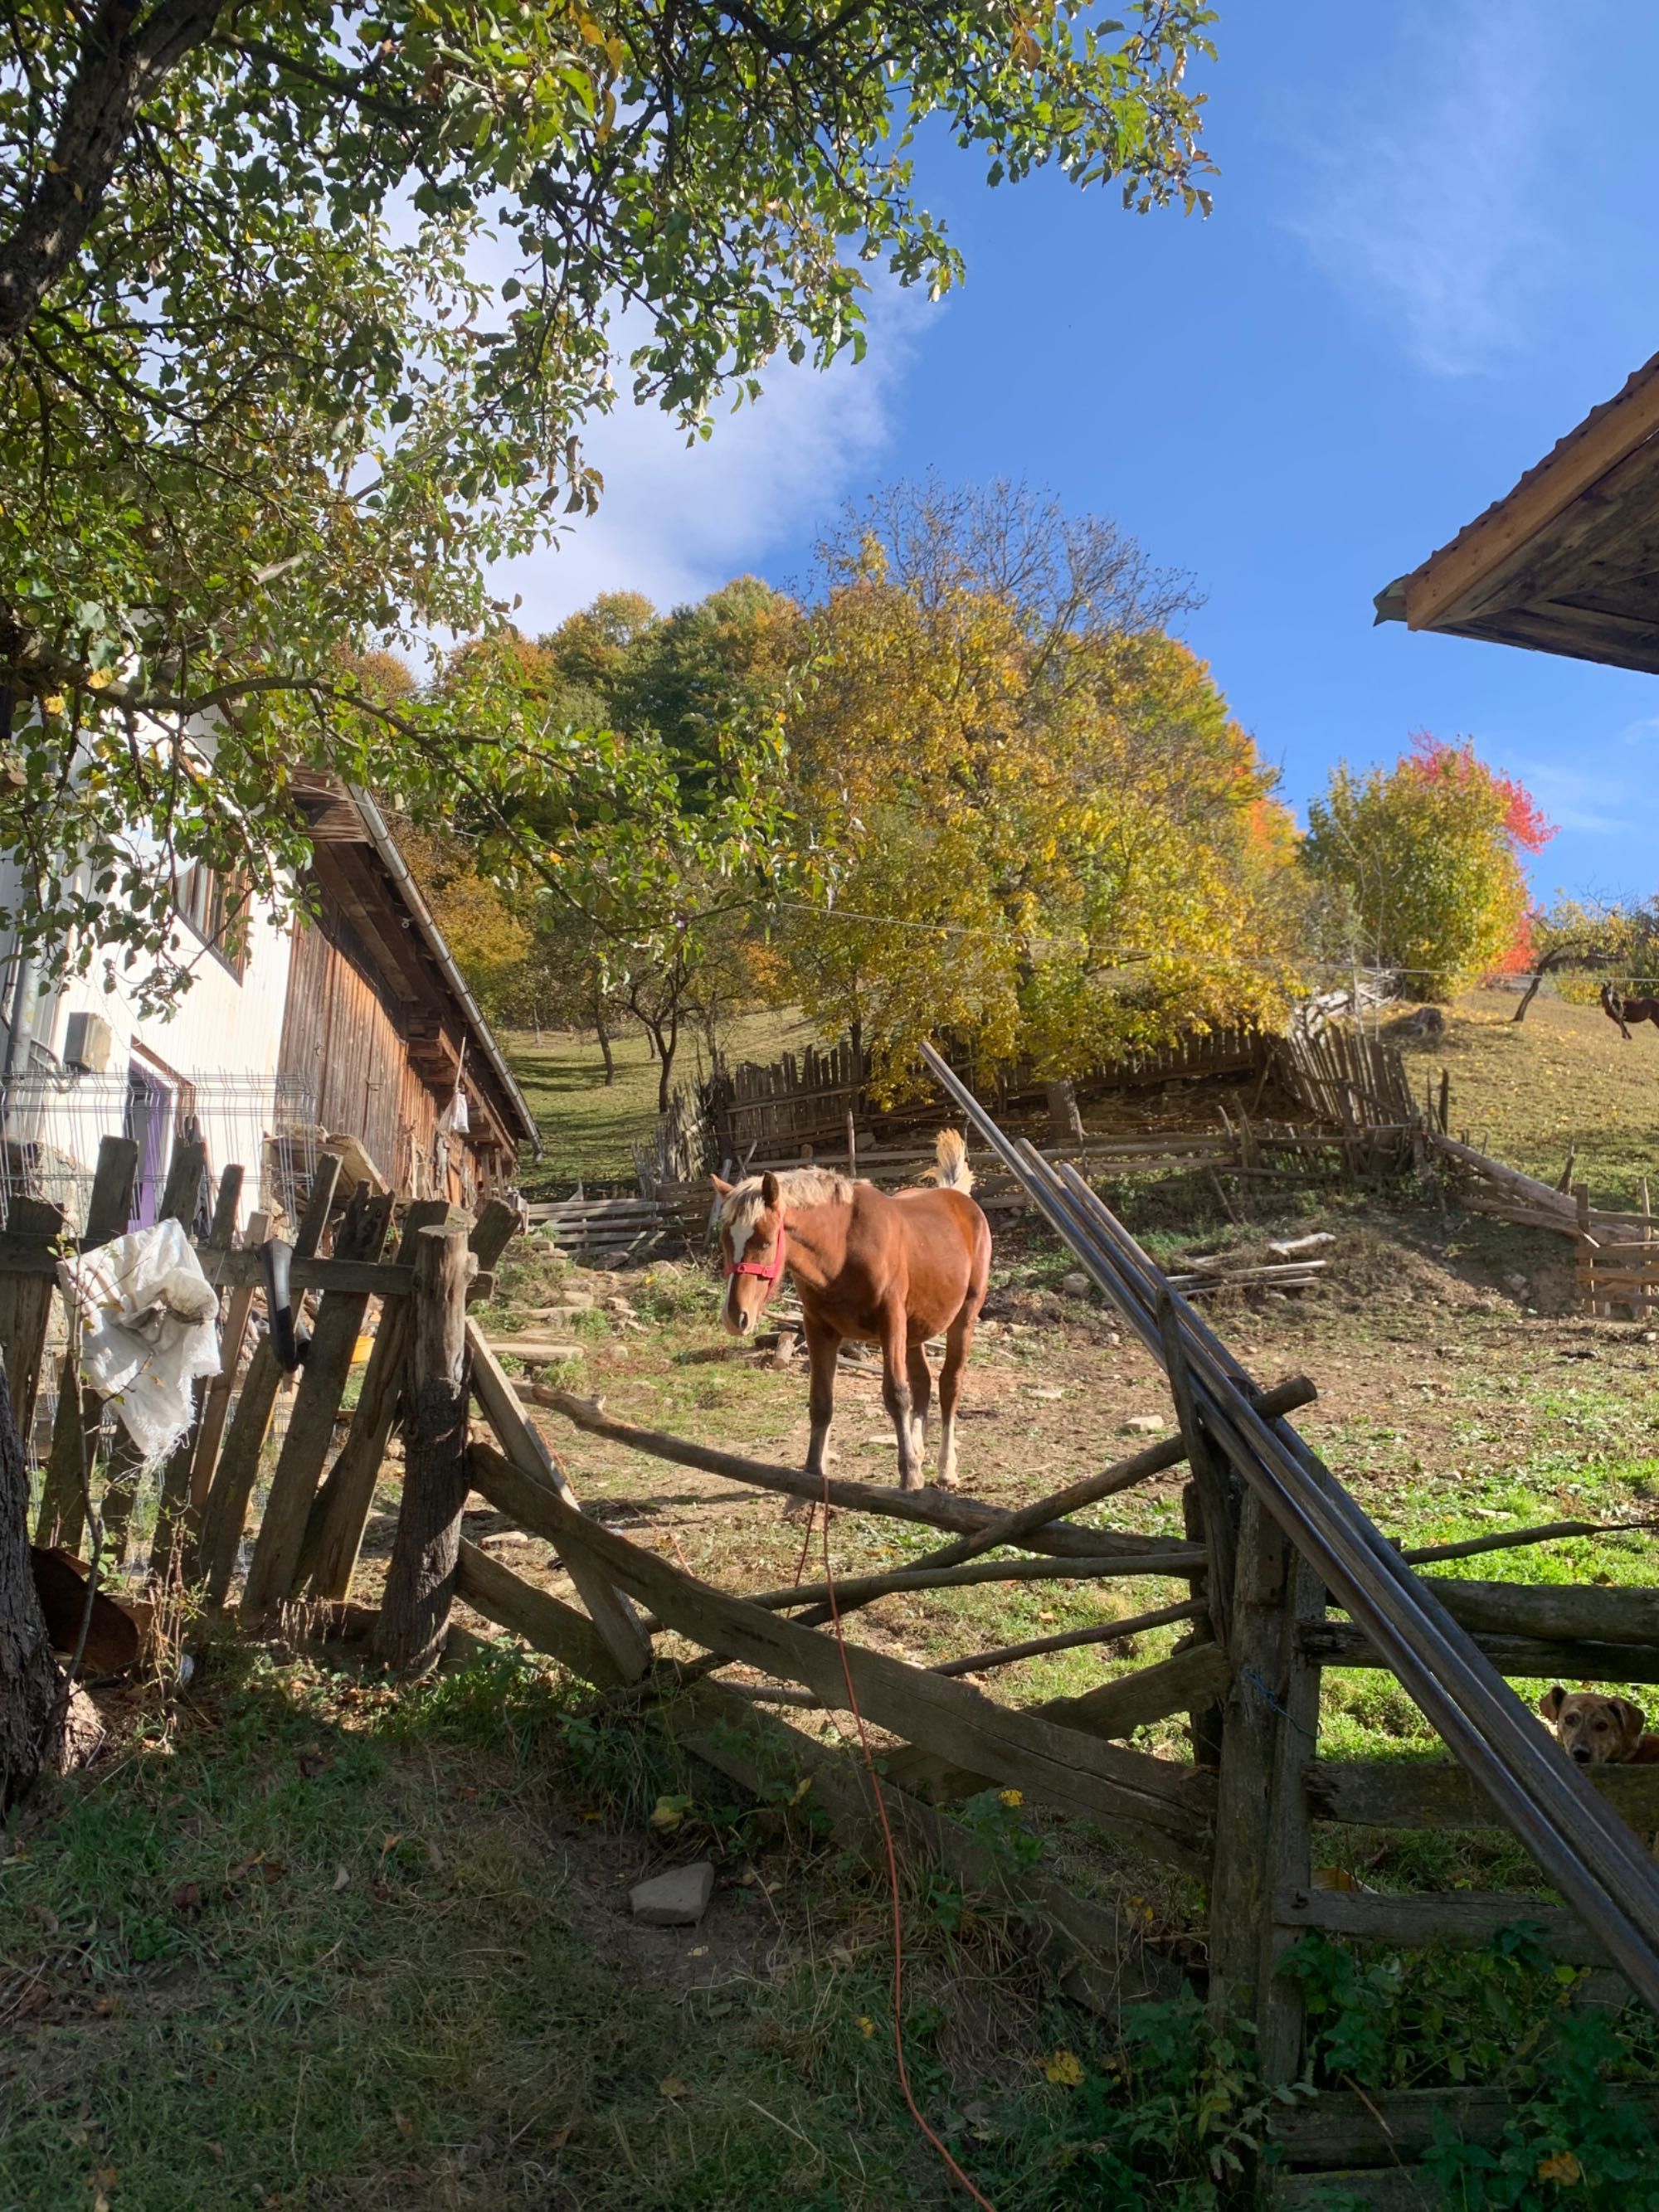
724,1188
771,1191
1632,1720
1551,1703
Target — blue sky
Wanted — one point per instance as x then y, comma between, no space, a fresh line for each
1432,251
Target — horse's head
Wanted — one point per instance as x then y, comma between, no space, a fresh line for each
751,1248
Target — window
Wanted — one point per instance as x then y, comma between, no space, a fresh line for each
215,907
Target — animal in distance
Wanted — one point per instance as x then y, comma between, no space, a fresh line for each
872,1266
1623,1009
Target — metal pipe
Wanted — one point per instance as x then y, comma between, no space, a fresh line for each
1592,1856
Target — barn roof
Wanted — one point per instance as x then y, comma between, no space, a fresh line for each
356,857
1569,561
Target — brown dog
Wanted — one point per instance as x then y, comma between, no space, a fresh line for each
1597,1731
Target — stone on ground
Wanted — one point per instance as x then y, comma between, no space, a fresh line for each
678,1899
1146,1425
1075,1287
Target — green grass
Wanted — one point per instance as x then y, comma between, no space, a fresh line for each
589,1128
1564,1078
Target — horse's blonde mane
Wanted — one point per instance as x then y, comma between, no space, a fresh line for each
745,1202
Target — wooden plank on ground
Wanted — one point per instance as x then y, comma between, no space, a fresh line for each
1148,1799
75,1444
545,1622
238,1469
299,1470
529,1459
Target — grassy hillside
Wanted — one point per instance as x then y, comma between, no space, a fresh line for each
1564,1078
589,1128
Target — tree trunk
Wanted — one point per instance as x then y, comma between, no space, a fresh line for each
30,1710
604,1036
666,1046
1065,1122
419,1584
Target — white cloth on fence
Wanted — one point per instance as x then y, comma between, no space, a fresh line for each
151,1326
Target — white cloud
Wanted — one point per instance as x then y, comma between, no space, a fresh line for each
1425,220
1600,805
676,521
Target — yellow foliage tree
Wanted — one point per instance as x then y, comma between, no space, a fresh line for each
1029,817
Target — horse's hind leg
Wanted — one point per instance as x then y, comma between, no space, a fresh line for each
922,1393
958,1339
895,1396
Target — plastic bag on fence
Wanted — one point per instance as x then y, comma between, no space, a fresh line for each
151,1322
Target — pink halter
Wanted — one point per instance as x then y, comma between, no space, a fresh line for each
768,1270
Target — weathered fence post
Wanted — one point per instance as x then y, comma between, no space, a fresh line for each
419,1584
81,1412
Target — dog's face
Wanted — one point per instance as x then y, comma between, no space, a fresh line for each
1592,1730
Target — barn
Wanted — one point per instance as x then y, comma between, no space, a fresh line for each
349,1025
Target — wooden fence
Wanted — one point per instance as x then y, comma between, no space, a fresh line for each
1278,1574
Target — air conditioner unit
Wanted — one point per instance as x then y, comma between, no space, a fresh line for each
89,1043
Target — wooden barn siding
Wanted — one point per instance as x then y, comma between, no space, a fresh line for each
346,1030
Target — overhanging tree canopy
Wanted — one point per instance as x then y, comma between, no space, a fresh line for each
258,398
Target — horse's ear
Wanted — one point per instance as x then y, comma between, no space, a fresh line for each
771,1190
724,1188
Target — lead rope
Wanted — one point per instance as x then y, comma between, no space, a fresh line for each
950,2165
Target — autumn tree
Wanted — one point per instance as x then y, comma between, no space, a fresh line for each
1430,855
1022,811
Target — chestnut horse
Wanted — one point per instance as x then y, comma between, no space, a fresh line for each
889,1270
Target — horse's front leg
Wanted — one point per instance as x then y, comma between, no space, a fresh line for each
822,1347
895,1396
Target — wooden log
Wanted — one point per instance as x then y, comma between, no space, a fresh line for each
26,1307
1337,2129
939,1509
177,1480
65,1494
1434,1794
1100,1632
1280,2008
533,1351
1121,1790
530,1463
238,1470
1592,1612
1526,1658
545,1622
1115,1709
272,1572
419,1581
339,1512
1467,1918
864,1590
1509,1539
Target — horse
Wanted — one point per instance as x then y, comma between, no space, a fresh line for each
893,1269
1619,1008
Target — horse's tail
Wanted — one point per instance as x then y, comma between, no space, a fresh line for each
951,1170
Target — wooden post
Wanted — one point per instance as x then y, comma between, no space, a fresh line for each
177,1480
1445,1101
1212,1476
851,1149
419,1584
1290,1844
81,1413
273,1572
24,1309
238,1470
239,1308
